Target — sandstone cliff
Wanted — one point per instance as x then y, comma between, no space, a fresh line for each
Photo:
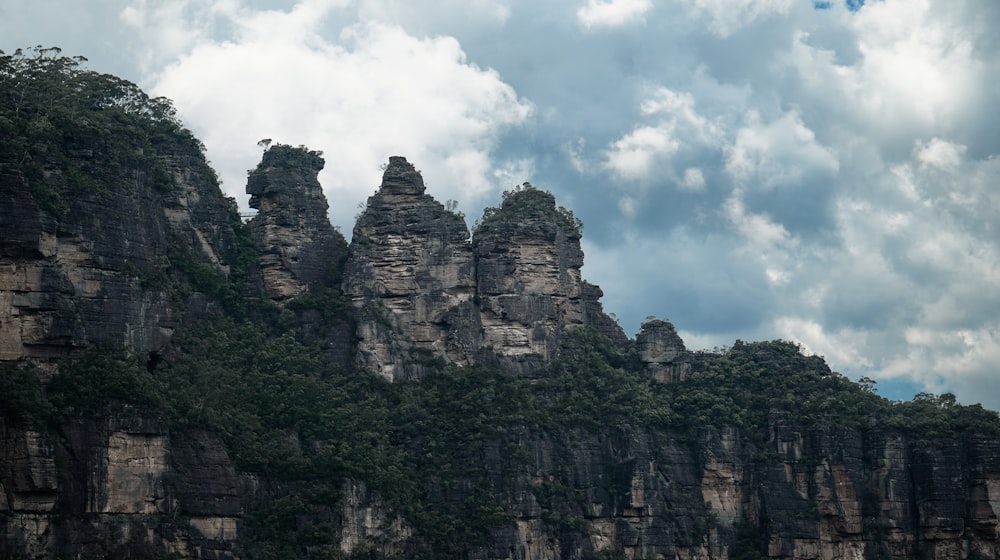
299,248
95,272
424,292
410,276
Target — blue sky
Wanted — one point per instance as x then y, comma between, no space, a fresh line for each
824,172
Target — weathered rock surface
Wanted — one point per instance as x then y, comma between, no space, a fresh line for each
300,249
528,261
115,488
662,351
425,294
128,485
410,276
93,274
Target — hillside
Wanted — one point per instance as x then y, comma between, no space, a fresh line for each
178,383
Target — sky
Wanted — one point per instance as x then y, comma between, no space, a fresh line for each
825,172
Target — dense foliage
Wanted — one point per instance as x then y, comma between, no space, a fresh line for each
85,126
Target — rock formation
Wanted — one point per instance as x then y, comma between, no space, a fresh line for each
528,261
410,276
92,273
128,477
662,351
299,246
424,293
115,245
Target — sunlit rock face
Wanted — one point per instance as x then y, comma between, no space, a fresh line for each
127,479
662,351
528,261
410,276
298,244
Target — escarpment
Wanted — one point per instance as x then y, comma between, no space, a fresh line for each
175,382
528,261
410,276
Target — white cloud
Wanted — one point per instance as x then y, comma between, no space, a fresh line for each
779,153
725,17
840,347
760,233
632,156
574,153
171,28
914,64
939,153
962,361
449,15
626,205
512,173
636,155
694,180
911,70
612,13
372,92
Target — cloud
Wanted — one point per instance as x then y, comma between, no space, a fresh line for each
170,29
694,180
725,17
909,69
783,152
637,155
633,155
612,13
839,347
939,153
370,92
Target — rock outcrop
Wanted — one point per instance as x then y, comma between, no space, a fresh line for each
410,276
662,351
112,250
425,295
528,261
128,479
300,249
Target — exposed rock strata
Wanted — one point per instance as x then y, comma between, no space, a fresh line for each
299,247
528,261
410,276
93,274
127,485
424,293
662,351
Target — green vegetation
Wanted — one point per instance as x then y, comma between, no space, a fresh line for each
285,156
90,127
526,202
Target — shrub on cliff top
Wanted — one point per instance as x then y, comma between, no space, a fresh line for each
527,202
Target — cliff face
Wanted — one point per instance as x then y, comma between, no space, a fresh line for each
94,273
126,479
662,351
528,262
410,278
298,245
